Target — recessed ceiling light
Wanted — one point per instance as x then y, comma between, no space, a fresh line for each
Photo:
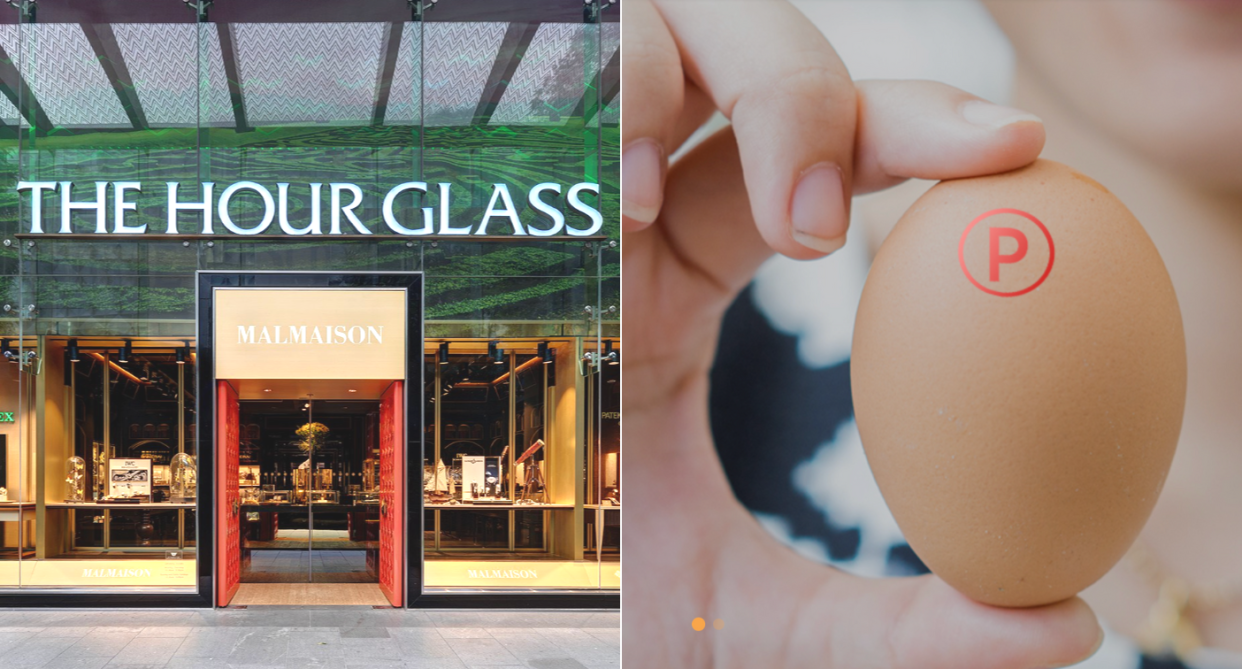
353,390
267,390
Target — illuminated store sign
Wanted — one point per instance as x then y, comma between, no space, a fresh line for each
310,334
114,199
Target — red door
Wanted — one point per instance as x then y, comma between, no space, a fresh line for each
392,497
228,500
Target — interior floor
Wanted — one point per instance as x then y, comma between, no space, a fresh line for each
309,594
292,566
323,540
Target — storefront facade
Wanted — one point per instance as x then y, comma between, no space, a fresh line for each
309,293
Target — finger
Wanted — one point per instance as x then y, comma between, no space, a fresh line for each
792,105
812,616
914,129
930,130
922,622
707,221
653,81
696,109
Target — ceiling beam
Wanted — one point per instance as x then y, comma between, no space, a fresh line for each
513,47
233,74
108,53
371,11
14,87
607,82
388,64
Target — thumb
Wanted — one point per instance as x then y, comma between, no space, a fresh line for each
802,614
922,622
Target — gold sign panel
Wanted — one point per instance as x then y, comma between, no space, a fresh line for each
294,333
580,574
100,573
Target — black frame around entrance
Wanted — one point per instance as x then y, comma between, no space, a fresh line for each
207,282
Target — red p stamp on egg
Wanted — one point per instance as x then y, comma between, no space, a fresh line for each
1006,252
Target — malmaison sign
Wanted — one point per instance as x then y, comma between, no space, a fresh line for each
102,207
307,334
333,333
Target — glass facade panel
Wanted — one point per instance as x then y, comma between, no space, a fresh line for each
143,143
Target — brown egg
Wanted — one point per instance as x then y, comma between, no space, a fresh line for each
1019,375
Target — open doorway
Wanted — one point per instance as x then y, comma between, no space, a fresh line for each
317,479
309,478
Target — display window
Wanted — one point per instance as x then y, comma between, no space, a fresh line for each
501,483
111,503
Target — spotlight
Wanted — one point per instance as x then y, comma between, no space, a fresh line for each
123,357
610,355
7,351
443,354
73,351
181,355
494,352
548,354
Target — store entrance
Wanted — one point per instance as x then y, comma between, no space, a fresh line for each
317,482
309,431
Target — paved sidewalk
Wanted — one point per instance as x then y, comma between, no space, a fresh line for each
312,638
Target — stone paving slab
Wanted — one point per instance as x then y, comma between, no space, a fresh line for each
309,638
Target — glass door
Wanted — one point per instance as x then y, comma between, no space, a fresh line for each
311,488
341,523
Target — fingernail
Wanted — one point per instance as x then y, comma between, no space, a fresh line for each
982,112
642,166
817,212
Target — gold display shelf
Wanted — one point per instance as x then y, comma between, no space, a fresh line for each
17,511
501,507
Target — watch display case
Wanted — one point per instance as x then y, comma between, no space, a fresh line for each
184,484
325,497
276,496
370,474
305,481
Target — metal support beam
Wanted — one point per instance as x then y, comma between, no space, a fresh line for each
607,81
390,49
14,87
233,74
108,53
512,49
